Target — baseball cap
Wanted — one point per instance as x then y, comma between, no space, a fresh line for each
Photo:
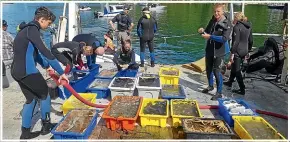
126,7
4,23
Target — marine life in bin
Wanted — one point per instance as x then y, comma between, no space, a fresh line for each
123,82
158,108
76,121
205,126
171,90
108,73
149,82
124,107
258,130
170,72
185,108
100,83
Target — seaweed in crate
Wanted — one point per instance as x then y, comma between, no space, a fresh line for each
171,90
76,121
123,82
150,82
108,73
170,72
259,130
185,108
159,108
205,126
124,107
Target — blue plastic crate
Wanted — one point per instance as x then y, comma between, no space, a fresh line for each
226,114
180,96
74,135
127,73
102,92
81,84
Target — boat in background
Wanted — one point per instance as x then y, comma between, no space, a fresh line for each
85,8
109,11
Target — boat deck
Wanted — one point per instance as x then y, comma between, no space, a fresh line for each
260,94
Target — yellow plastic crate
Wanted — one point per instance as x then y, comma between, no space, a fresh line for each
176,119
169,79
153,120
244,134
72,101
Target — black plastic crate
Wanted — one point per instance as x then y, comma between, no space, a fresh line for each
199,135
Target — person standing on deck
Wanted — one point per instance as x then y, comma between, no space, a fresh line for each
147,26
124,26
217,34
7,51
29,49
242,42
90,40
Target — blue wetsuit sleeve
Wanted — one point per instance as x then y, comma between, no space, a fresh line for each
139,27
41,61
218,38
34,36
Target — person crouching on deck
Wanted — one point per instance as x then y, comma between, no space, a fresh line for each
125,57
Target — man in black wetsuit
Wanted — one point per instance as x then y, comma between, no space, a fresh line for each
90,40
147,26
241,43
124,26
217,34
125,57
29,49
69,53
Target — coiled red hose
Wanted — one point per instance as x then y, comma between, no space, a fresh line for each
68,87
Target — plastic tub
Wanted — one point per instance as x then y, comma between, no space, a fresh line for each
172,92
148,87
225,113
100,87
74,135
127,73
243,133
153,120
176,119
72,101
206,135
105,75
81,84
167,78
121,122
122,86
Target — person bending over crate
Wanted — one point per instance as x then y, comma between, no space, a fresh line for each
125,57
92,41
69,53
29,49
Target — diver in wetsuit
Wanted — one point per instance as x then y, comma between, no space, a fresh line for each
242,42
125,57
146,28
69,53
29,49
90,40
217,34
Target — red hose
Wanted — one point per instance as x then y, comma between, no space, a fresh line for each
68,87
257,110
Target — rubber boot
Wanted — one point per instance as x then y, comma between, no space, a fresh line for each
45,116
152,58
206,90
47,126
216,96
239,91
26,134
142,58
152,64
228,83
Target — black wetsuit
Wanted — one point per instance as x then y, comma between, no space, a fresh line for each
68,53
90,40
123,57
215,49
29,49
145,29
241,43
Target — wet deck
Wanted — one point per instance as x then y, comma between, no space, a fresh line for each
260,94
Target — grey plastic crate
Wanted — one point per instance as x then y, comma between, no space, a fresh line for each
122,91
149,91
